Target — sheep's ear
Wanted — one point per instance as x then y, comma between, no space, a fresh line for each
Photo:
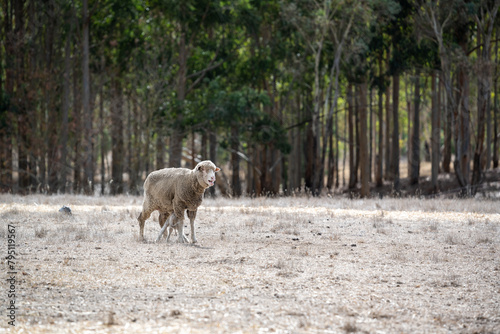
217,169
200,168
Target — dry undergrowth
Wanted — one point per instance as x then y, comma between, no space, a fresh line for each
262,265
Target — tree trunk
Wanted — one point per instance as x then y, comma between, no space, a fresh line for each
88,164
250,173
257,185
77,129
346,144
447,129
356,129
204,147
102,142
276,170
265,177
177,133
146,130
415,140
485,30
363,141
295,160
331,164
128,144
379,158
309,158
235,161
300,156
409,108
388,135
295,154
435,133
496,115
117,148
317,178
136,171
23,120
6,130
462,132
333,99
193,150
337,181
484,91
65,112
160,146
53,110
370,137
213,156
395,135
353,176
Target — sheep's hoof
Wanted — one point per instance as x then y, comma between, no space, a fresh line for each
194,241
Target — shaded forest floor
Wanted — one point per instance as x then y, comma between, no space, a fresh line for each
301,265
448,186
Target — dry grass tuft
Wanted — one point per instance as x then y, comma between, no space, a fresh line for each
399,256
350,327
10,213
453,239
484,239
281,226
433,227
380,226
41,232
110,319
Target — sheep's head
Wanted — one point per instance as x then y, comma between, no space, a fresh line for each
206,173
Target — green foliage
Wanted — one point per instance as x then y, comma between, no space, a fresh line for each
267,131
115,26
242,108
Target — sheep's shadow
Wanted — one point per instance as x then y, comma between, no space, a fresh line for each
173,243
199,246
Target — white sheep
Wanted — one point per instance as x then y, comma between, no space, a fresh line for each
171,191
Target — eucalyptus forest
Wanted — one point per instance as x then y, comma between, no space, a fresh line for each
287,96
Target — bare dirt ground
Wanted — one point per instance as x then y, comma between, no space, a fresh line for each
298,265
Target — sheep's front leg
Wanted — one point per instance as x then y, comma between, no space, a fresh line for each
192,215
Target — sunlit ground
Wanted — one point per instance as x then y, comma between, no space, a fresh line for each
292,264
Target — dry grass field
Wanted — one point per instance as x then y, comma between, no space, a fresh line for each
284,265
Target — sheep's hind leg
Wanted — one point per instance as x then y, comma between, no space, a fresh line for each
142,219
192,215
163,218
164,221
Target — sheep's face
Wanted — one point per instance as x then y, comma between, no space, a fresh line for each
206,175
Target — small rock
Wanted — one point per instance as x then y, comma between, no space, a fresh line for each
175,313
65,209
